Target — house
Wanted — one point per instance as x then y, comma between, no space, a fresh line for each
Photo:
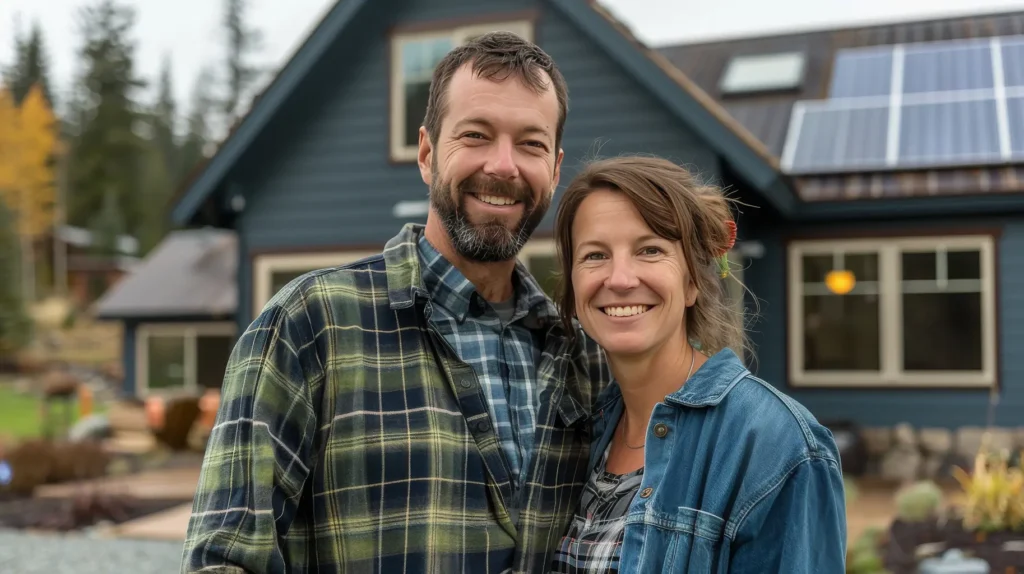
885,256
178,310
88,274
895,292
322,171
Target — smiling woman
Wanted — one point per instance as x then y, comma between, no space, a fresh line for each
640,242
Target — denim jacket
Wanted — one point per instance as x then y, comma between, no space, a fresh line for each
738,478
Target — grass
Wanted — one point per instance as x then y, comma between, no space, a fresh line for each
21,414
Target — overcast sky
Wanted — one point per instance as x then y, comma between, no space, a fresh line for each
186,28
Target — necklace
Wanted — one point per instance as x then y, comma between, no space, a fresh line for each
622,428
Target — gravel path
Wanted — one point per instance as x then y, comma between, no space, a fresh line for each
22,553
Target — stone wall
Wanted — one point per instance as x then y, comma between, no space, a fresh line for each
904,453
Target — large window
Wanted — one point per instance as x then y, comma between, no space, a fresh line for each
892,312
413,58
271,272
182,357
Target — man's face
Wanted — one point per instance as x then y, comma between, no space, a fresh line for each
494,168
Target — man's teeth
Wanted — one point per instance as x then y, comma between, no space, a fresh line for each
496,200
626,311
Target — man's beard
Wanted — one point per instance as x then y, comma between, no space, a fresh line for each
491,240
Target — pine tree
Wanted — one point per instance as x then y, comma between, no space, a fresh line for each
160,163
15,327
107,151
242,42
198,136
31,66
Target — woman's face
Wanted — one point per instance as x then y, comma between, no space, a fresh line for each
632,287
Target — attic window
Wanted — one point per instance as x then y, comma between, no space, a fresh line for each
763,72
414,55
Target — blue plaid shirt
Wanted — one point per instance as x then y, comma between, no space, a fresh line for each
504,356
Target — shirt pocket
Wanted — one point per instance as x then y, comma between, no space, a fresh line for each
688,541
589,546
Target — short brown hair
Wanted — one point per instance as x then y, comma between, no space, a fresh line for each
496,56
677,207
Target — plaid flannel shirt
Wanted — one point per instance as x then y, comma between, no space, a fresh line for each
351,439
503,356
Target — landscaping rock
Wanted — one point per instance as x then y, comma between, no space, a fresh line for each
92,427
877,439
904,436
902,464
936,441
934,466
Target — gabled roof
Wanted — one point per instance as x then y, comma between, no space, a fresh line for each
747,155
192,273
766,115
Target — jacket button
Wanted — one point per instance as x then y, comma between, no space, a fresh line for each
646,493
465,383
660,430
483,426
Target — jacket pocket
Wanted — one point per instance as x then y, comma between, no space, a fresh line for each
688,541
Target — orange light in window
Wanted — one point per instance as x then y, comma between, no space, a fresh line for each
840,282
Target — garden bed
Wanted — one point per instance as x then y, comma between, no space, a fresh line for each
909,542
77,512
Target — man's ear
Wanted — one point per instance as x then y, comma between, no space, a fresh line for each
558,170
424,157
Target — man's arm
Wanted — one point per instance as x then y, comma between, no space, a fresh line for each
260,450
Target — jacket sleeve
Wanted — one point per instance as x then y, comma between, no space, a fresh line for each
800,528
260,450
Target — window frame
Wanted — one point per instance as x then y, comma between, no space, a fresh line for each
190,332
890,291
266,264
398,152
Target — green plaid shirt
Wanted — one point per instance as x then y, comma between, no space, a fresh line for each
350,438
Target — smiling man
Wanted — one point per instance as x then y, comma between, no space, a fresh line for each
423,410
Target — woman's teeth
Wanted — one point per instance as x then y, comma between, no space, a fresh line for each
626,311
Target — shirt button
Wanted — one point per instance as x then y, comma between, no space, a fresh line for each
483,426
660,430
646,493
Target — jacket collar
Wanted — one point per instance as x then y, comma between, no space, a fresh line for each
706,388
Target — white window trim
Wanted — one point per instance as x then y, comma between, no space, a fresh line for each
459,35
890,340
191,332
264,266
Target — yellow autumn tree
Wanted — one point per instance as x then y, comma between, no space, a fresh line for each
28,145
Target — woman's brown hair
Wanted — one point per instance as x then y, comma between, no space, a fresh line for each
677,207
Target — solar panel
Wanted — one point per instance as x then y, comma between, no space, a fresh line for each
1015,115
959,103
949,132
945,68
862,72
1013,63
836,138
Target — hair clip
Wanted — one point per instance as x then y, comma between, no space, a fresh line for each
723,258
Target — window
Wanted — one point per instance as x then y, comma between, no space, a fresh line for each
413,58
272,272
892,312
763,72
182,357
538,255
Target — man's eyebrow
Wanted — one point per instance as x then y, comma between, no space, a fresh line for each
483,122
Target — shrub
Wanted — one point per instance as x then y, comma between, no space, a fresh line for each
918,502
994,493
34,463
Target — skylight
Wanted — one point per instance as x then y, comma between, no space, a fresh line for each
763,72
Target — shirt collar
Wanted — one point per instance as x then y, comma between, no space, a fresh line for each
449,288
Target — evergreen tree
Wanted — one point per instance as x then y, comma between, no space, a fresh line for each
31,66
198,135
164,120
242,42
160,163
107,151
15,327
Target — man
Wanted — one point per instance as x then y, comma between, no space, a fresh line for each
421,410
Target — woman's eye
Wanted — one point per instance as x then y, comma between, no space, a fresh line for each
593,256
652,251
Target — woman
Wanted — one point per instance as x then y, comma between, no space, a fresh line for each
697,466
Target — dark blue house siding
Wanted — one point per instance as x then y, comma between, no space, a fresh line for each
321,175
878,407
